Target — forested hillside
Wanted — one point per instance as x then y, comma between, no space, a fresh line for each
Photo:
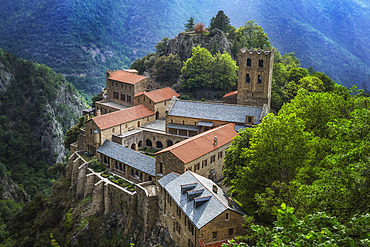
37,106
82,39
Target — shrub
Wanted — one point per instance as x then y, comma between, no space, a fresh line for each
199,28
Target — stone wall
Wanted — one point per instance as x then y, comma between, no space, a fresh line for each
252,91
138,209
202,165
223,226
166,163
104,109
96,139
141,138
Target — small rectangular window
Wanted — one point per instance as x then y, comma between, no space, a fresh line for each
231,231
260,63
259,80
214,234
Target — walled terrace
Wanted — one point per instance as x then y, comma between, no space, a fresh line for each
137,201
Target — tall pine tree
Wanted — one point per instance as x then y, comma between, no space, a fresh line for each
189,26
221,21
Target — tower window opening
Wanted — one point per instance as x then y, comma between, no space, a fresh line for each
260,63
259,79
249,62
247,79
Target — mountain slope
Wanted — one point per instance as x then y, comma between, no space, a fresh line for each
81,39
37,106
330,36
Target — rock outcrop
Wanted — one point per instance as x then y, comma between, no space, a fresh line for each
11,191
183,43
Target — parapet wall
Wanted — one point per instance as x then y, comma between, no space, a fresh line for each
139,208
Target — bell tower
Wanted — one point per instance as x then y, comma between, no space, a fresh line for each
255,77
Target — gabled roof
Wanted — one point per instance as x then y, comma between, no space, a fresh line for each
210,111
231,93
160,95
129,157
123,116
199,145
125,77
207,211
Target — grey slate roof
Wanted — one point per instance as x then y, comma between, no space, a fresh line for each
205,123
206,212
128,156
183,127
168,178
220,112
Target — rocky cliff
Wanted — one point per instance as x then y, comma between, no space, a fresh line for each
37,107
183,43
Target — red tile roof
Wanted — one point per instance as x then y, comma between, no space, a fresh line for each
199,145
125,77
231,93
160,94
123,116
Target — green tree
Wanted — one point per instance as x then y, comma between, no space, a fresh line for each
277,148
224,75
189,26
233,158
250,36
197,69
327,81
73,133
221,22
318,229
167,68
161,47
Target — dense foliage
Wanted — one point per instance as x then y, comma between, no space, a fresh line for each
221,22
313,156
317,229
23,120
202,70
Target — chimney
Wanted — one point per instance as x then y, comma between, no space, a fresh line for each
230,202
215,141
214,188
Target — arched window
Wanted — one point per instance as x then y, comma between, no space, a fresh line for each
259,79
169,143
138,123
159,144
260,63
148,143
133,146
247,79
157,115
140,143
249,62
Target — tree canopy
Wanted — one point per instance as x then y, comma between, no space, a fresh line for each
221,22
313,156
189,26
204,70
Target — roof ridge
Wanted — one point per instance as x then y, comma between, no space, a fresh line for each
193,138
207,188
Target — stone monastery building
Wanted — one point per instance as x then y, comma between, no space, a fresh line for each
180,187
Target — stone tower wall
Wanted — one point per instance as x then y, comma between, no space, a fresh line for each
255,93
